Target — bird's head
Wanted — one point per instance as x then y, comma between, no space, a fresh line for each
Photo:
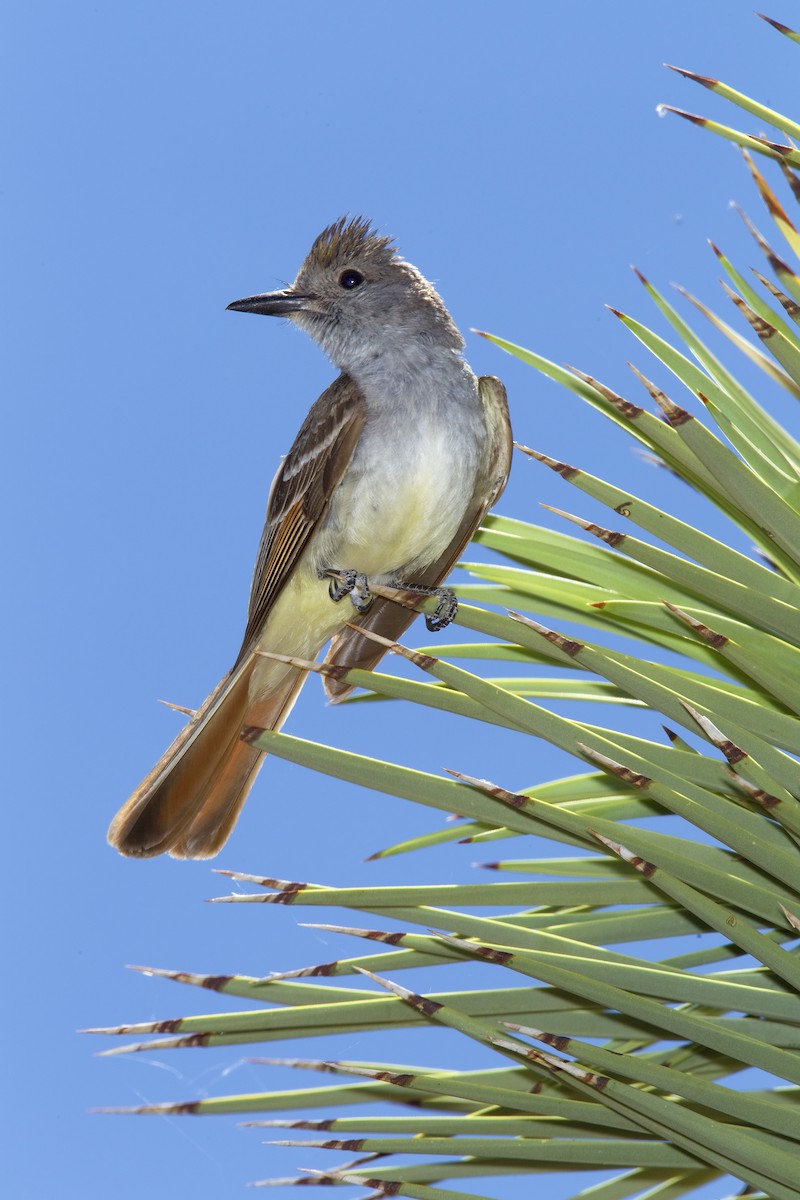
359,299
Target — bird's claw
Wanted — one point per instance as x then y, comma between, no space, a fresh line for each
445,610
350,583
355,585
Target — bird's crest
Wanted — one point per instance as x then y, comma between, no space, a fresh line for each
349,238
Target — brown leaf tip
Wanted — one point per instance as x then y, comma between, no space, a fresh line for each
716,640
189,1107
398,1078
612,536
781,28
733,753
705,631
634,778
635,860
286,895
687,116
250,733
567,645
642,865
762,327
706,80
778,147
424,1004
624,407
514,799
343,1144
765,799
570,647
556,1040
390,939
171,1025
791,306
674,415
493,955
560,468
193,1039
384,1186
328,968
214,983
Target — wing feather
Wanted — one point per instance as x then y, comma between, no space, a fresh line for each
300,494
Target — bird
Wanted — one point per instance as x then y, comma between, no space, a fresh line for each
390,475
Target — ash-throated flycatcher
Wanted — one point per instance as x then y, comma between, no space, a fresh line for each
393,469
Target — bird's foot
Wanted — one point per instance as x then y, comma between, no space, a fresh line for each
445,610
349,583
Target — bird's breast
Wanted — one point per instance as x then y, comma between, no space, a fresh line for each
405,493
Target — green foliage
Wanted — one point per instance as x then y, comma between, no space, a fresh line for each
605,1060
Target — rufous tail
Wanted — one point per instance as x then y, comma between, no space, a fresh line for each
189,803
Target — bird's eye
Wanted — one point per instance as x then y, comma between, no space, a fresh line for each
350,279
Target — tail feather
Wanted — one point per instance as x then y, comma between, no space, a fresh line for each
223,799
189,802
221,803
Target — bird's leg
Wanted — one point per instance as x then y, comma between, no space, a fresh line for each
349,583
445,610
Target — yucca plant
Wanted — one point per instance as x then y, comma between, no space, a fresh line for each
605,1060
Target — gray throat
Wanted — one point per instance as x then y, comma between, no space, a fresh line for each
418,378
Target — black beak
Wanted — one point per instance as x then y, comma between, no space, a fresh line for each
272,304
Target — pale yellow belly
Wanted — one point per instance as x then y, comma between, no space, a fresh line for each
399,517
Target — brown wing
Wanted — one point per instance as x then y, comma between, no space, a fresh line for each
300,494
391,620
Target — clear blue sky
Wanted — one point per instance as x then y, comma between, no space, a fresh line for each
160,161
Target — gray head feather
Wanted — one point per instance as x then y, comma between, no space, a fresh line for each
391,309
